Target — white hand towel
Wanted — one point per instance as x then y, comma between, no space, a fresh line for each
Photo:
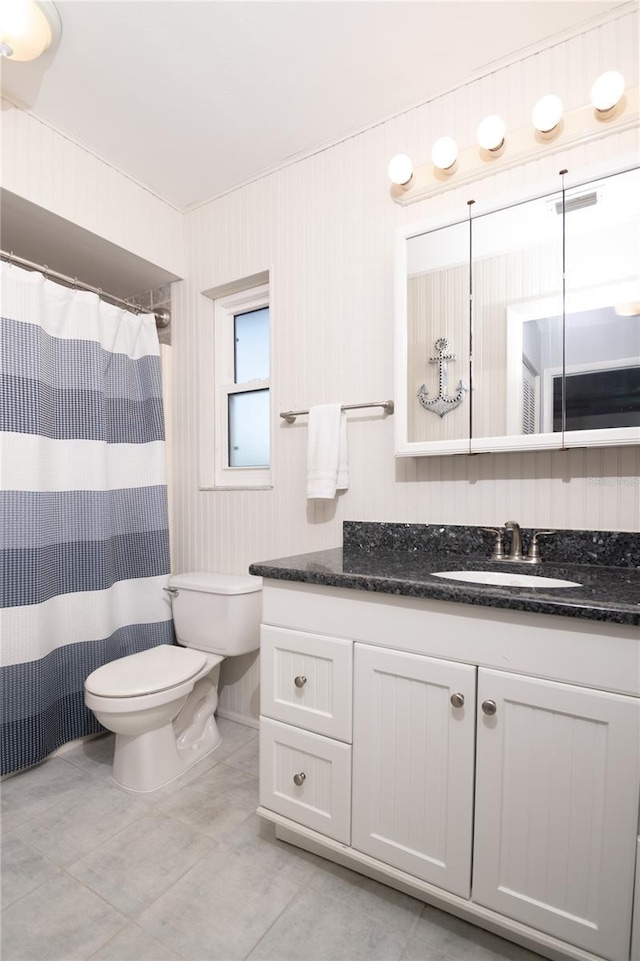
327,466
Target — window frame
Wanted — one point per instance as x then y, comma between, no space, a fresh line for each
215,471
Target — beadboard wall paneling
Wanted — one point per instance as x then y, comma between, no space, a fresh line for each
48,169
325,229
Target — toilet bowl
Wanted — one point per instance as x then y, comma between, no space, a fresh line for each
160,703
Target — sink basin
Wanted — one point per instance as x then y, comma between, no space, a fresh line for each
505,579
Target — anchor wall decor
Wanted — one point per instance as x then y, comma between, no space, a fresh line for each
442,404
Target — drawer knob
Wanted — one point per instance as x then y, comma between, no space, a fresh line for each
299,779
300,680
457,700
489,708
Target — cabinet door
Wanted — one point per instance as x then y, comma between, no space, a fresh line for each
413,764
557,808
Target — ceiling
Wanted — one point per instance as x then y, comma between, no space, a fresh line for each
191,99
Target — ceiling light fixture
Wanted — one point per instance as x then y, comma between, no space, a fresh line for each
547,114
401,170
607,91
491,133
28,28
628,310
444,154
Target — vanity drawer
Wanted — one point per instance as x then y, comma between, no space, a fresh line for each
307,680
306,777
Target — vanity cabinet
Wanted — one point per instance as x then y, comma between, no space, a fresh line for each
487,771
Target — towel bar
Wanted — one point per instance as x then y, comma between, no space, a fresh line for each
387,405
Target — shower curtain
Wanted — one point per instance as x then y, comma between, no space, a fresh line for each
84,545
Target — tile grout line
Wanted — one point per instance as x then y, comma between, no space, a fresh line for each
275,920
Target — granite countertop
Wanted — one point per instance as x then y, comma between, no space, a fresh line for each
401,560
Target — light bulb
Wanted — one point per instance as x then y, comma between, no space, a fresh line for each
547,113
444,153
491,133
628,310
607,90
27,29
400,169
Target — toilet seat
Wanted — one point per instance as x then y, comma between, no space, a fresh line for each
152,671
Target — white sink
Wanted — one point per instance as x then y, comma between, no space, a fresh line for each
505,579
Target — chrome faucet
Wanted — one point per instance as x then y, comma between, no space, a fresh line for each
515,554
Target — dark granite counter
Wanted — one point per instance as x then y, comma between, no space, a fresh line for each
401,559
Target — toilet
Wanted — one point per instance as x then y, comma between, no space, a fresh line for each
161,702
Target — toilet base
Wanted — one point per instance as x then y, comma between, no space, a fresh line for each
148,761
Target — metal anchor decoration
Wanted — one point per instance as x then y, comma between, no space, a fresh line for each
442,404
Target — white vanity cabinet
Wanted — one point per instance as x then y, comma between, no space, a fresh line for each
493,764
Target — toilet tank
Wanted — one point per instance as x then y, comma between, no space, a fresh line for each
218,613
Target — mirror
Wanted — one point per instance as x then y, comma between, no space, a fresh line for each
438,311
517,284
519,327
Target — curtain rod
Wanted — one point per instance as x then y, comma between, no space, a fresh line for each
163,316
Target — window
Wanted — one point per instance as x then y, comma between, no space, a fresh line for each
598,399
236,454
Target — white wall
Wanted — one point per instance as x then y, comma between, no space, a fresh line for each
48,169
325,229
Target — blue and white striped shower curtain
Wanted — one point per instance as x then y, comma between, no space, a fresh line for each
84,546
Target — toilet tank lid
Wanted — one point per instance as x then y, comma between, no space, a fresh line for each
216,583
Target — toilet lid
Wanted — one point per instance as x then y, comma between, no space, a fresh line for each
156,669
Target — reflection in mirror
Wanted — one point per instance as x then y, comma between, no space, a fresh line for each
438,310
602,327
517,316
602,384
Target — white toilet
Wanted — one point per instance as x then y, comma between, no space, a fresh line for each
160,703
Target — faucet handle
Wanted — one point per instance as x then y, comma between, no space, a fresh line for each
498,547
533,554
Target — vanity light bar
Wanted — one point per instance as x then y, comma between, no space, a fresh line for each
580,126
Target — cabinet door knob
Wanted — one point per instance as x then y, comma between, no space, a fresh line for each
457,700
489,707
300,680
299,779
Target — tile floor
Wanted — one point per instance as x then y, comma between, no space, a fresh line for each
192,874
